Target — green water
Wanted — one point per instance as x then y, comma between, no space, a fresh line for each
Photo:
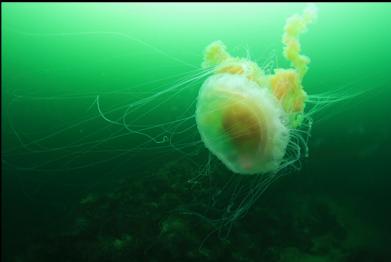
68,69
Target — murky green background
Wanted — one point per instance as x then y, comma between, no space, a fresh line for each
57,58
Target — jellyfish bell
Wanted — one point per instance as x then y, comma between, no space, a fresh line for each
241,123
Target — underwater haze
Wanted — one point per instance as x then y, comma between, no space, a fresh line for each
102,158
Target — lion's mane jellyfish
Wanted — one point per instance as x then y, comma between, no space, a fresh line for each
247,118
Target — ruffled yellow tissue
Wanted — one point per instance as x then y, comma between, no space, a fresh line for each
284,84
295,26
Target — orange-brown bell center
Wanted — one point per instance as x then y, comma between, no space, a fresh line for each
243,128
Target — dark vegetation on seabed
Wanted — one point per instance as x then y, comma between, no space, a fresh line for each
139,221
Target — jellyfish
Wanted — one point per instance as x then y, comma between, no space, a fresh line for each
245,117
255,123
